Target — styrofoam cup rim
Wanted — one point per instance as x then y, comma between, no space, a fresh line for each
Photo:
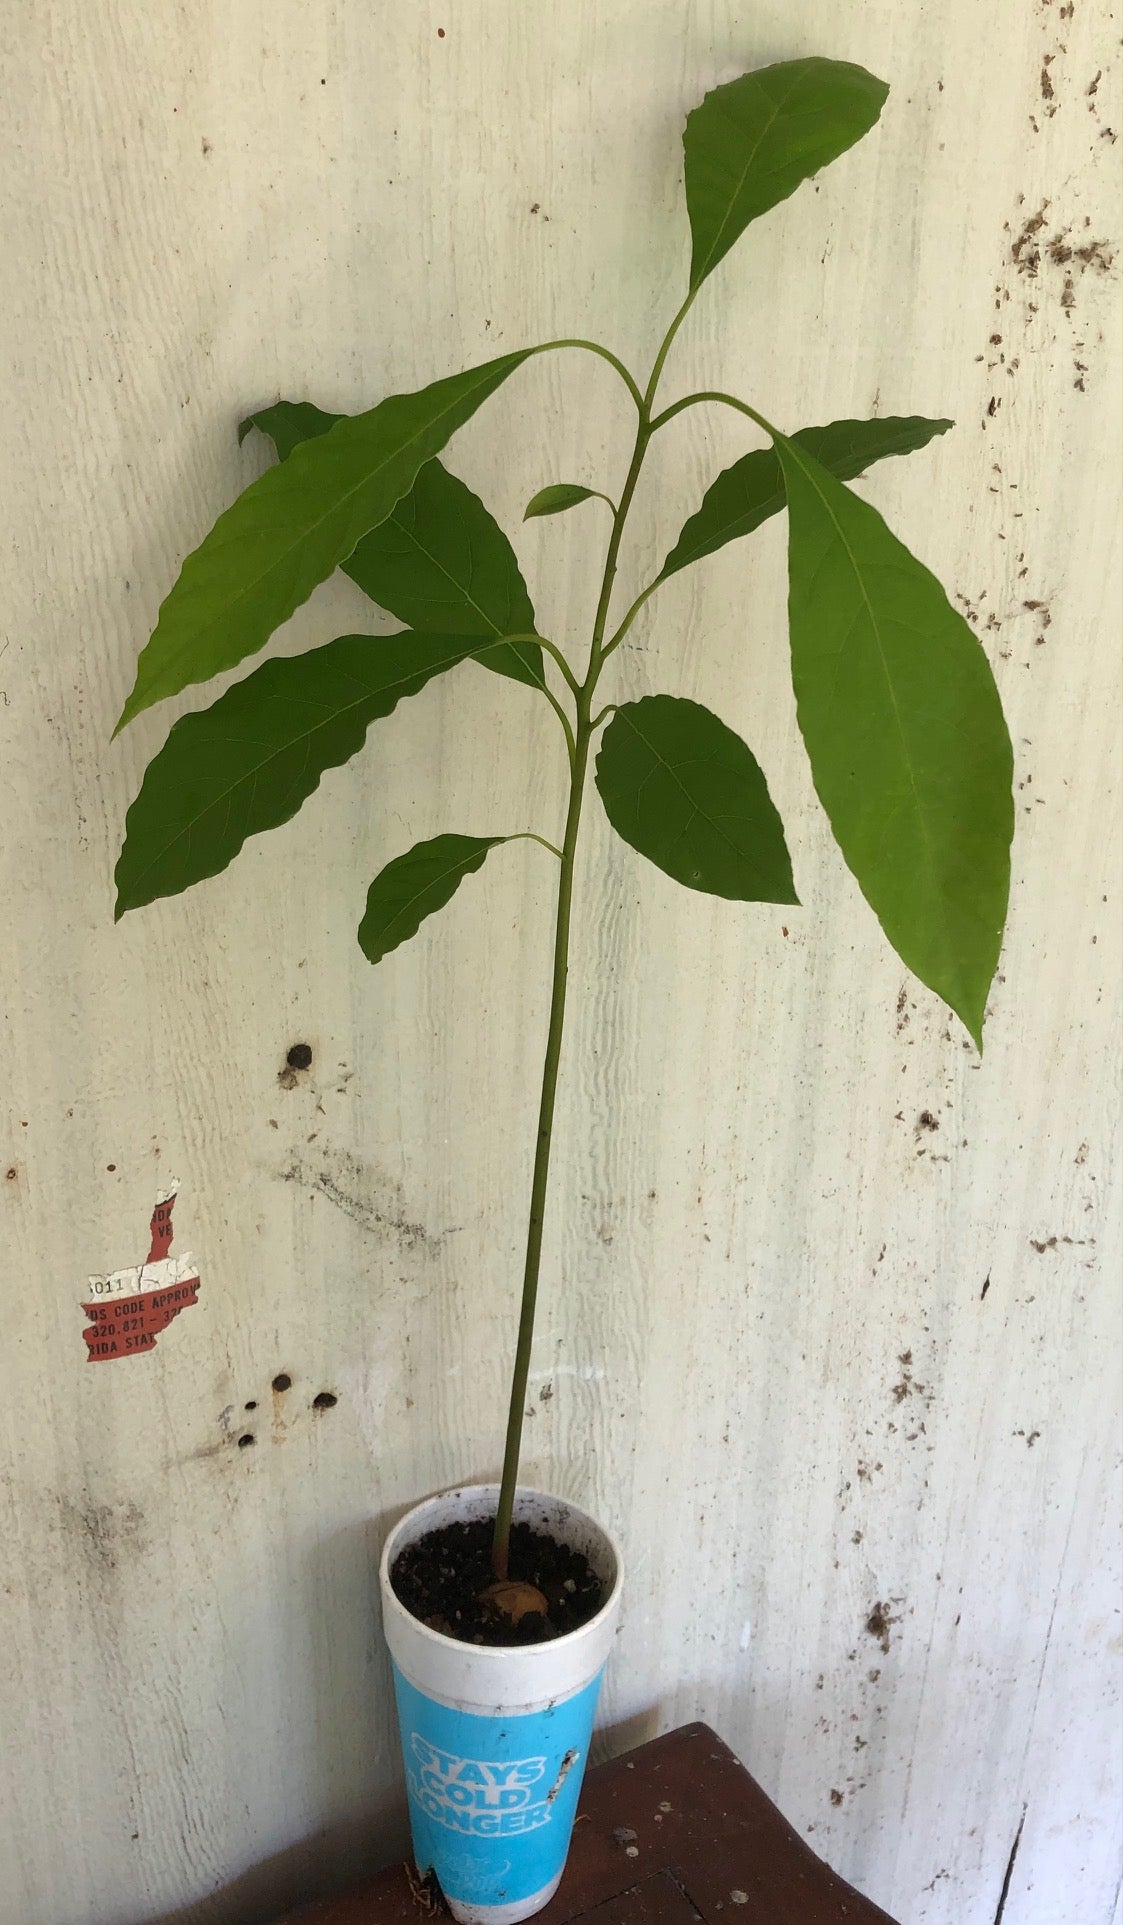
498,1654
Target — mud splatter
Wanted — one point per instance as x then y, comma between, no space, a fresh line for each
369,1199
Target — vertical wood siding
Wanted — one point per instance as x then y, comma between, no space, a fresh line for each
829,1328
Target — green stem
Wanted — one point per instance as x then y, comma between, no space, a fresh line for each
553,649
500,1552
630,617
661,357
571,747
596,655
643,436
528,835
542,641
540,1179
711,394
594,347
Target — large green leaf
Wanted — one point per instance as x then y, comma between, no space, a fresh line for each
688,794
751,143
416,885
248,762
908,746
289,529
439,562
753,488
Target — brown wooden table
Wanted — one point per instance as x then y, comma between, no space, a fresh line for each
671,1833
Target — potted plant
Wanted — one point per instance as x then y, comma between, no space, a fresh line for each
500,1603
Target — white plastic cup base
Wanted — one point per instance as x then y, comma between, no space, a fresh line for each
504,1914
495,1738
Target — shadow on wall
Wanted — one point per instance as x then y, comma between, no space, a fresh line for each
610,1740
351,1771
289,1879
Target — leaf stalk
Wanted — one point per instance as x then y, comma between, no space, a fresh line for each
712,394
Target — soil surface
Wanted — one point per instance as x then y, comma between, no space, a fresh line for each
439,1580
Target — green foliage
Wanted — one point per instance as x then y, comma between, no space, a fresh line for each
687,793
290,529
750,144
902,723
439,562
416,885
248,762
896,702
556,499
753,488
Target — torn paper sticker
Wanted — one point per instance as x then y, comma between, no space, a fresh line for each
131,1307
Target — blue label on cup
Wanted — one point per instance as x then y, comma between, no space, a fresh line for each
492,1800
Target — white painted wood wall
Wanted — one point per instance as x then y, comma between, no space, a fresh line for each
206,206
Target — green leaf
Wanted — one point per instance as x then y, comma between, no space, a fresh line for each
248,762
688,794
439,562
750,144
753,488
289,529
288,423
416,885
909,750
556,499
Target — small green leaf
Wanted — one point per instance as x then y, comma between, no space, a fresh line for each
750,144
753,488
909,750
688,794
439,562
416,885
289,529
288,423
248,762
556,499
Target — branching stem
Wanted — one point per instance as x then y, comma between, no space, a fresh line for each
570,744
553,649
630,617
579,761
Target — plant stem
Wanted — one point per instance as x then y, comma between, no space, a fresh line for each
564,720
579,759
640,602
552,649
661,357
521,1373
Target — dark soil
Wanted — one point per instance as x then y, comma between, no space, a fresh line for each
439,1580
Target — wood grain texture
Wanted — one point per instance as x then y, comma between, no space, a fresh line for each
845,1382
671,1831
